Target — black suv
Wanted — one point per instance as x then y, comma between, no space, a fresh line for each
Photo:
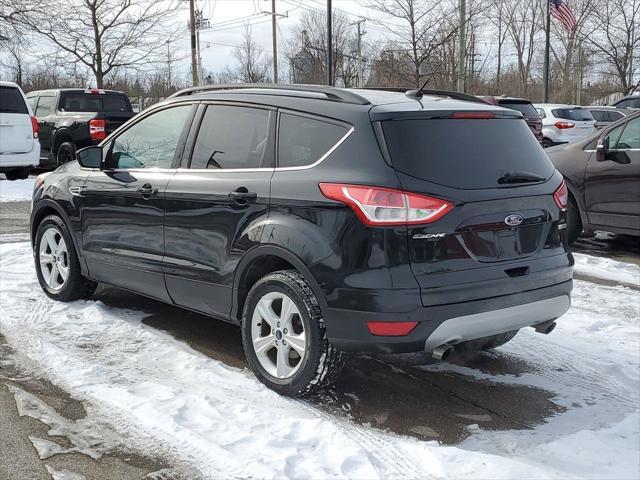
320,220
72,118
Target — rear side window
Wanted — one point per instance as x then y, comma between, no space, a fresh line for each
575,114
600,115
303,140
11,101
93,102
45,105
32,101
542,113
464,153
525,108
233,137
629,103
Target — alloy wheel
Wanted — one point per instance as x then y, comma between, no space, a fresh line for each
53,257
278,335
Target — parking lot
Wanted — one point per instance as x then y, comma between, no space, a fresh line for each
111,361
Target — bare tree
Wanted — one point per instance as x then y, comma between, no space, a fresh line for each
616,38
524,25
254,64
103,35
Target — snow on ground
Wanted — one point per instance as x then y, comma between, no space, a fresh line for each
16,190
164,396
607,269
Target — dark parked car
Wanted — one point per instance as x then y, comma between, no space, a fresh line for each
630,101
603,177
319,219
531,115
72,118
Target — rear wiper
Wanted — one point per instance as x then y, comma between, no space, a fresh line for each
520,177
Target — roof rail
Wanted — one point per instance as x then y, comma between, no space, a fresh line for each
332,93
439,93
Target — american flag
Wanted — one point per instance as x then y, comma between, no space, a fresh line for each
561,12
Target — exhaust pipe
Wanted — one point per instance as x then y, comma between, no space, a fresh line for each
546,327
442,352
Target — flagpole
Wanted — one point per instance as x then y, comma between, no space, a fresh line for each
546,55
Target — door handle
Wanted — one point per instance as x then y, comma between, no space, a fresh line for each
146,191
242,195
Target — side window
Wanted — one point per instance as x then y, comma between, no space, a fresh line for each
32,101
611,139
615,116
45,105
630,137
542,113
303,141
600,115
233,137
152,142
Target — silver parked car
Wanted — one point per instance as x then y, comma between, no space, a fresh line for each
605,116
564,123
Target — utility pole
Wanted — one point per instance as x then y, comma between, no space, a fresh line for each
547,47
329,46
201,23
358,24
274,40
462,46
192,27
168,65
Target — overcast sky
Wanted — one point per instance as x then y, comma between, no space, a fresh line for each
227,18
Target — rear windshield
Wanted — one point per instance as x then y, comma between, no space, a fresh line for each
526,108
575,114
11,101
93,102
465,153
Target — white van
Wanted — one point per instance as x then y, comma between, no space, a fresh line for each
19,146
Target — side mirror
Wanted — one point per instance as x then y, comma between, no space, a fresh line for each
602,148
90,157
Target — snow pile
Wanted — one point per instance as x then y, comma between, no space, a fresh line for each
165,397
608,269
16,190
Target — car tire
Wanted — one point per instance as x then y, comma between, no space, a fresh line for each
12,175
270,320
546,143
66,153
498,340
574,222
55,254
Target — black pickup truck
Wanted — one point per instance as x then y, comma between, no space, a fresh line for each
72,118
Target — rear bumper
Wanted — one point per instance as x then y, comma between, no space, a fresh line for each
18,160
450,323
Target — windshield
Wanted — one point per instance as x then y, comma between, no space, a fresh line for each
526,108
575,114
434,150
93,102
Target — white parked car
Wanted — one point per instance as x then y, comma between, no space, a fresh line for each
564,123
19,145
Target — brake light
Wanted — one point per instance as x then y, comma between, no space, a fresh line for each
472,115
390,329
565,125
35,128
386,206
97,130
561,196
94,91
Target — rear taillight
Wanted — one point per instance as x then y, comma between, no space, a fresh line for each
391,329
35,127
472,115
386,206
97,130
561,196
565,125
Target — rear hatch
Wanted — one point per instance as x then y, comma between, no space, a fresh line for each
113,107
502,236
16,130
579,122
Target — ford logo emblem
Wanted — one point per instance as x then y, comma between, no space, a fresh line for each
514,220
